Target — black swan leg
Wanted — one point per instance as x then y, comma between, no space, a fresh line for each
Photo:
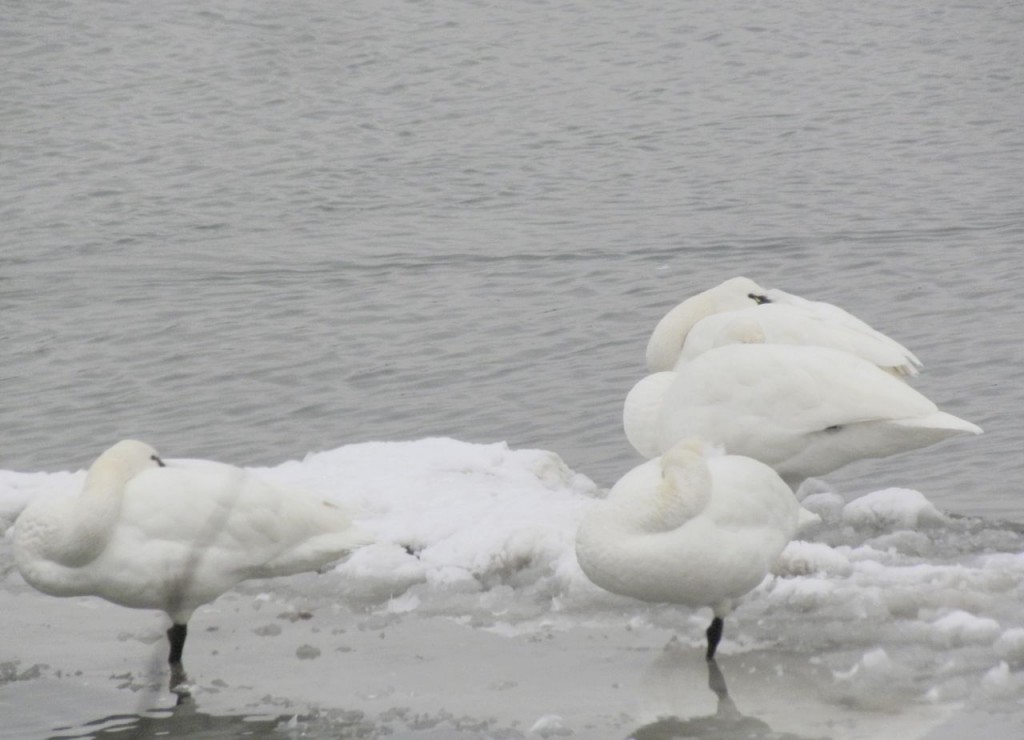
714,634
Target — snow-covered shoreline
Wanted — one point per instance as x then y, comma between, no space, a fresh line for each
886,591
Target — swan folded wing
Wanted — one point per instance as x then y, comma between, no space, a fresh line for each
738,397
833,315
231,521
779,323
804,389
828,311
803,410
287,531
749,495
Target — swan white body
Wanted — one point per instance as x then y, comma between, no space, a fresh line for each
691,527
805,411
741,311
150,535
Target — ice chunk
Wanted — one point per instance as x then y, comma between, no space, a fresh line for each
805,558
891,508
1010,645
827,505
550,725
960,628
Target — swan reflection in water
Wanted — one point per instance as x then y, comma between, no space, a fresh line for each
182,720
727,723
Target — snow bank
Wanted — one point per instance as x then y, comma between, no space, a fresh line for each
484,534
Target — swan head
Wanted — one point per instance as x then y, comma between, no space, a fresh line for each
69,534
696,446
669,335
685,487
686,453
124,461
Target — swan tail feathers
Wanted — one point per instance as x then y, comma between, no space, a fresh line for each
942,424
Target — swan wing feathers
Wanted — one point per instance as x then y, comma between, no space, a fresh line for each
803,410
750,494
804,389
780,317
777,323
841,320
250,526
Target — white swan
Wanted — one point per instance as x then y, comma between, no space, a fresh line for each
741,311
692,527
805,411
150,535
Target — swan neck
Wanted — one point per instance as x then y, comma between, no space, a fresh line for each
676,499
684,493
92,518
670,334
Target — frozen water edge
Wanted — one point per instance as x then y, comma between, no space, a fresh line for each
471,616
410,676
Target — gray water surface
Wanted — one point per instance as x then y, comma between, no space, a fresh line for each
253,231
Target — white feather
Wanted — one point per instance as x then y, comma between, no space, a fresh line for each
804,410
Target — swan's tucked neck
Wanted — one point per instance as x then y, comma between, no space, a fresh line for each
90,520
685,489
668,337
650,506
670,334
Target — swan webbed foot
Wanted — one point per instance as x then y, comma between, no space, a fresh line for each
179,684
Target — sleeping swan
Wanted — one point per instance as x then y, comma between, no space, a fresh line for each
150,535
692,527
805,411
741,311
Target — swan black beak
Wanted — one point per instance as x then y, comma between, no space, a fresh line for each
157,460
